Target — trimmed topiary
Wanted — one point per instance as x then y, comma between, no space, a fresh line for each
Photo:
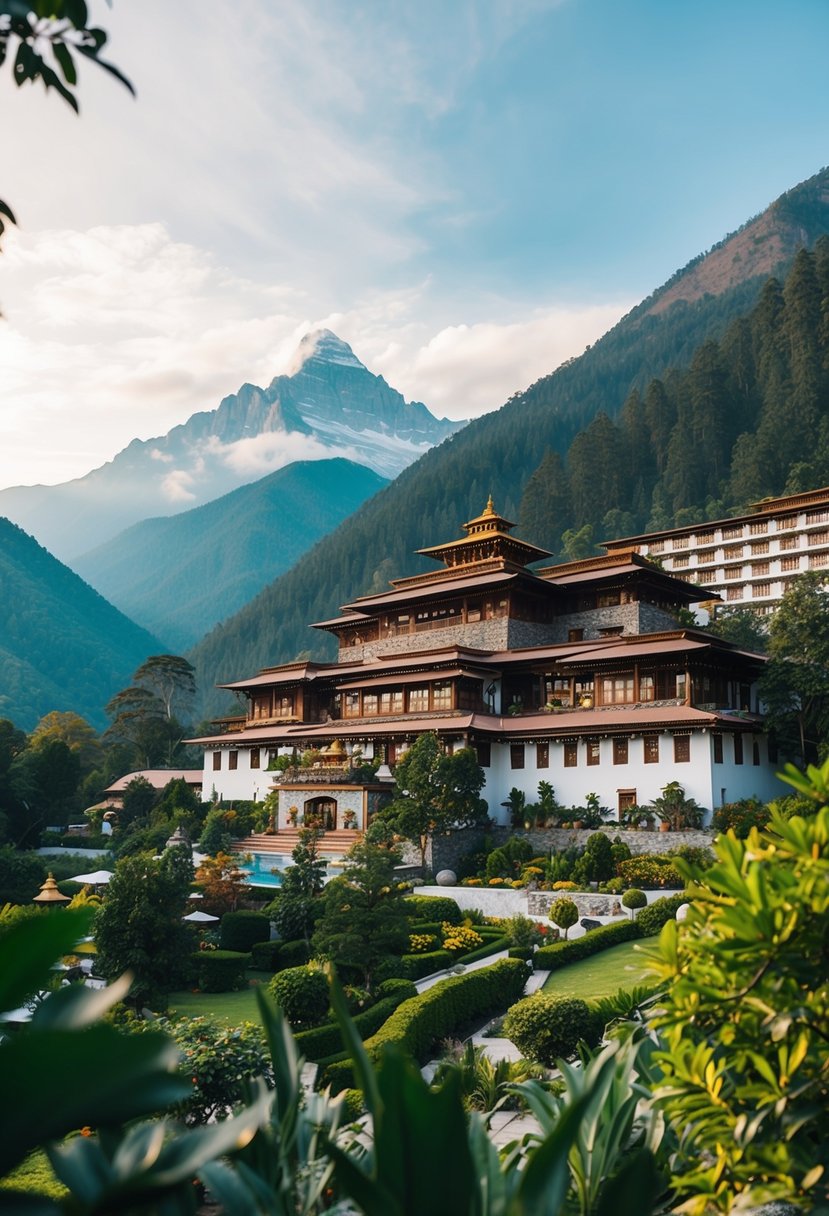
221,970
651,919
243,929
433,908
265,956
293,954
302,995
634,899
546,1028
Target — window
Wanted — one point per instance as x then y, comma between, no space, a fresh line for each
608,599
260,707
254,757
284,706
617,690
705,538
760,590
611,631
658,546
817,517
755,752
790,542
761,547
651,749
789,563
351,705
516,755
818,559
371,701
734,572
647,688
575,635
738,749
732,533
593,751
784,525
716,739
680,542
232,760
542,755
705,576
760,568
818,538
217,761
758,529
391,702
734,593
681,562
682,749
620,751
418,700
442,695
571,755
483,751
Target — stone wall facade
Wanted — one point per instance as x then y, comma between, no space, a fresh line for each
545,839
589,903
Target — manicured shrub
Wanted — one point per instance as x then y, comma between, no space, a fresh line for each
459,939
596,863
264,956
415,966
243,929
651,919
634,899
546,1028
302,994
325,1041
293,954
650,873
564,913
221,970
441,1011
396,987
559,954
435,908
741,816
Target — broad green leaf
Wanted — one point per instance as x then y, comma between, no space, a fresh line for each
29,949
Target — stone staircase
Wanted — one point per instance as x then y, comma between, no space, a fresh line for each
335,843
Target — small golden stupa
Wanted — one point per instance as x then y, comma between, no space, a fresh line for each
49,893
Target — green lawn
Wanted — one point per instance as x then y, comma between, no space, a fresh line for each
619,967
228,1007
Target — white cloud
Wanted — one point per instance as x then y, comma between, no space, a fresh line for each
122,332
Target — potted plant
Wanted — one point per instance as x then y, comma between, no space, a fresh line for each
293,815
677,812
349,819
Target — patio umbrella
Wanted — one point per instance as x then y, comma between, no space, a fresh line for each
200,918
98,878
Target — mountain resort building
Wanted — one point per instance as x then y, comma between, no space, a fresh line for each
575,674
748,561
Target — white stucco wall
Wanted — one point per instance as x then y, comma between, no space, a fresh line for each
700,777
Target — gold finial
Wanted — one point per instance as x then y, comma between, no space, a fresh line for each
49,893
490,506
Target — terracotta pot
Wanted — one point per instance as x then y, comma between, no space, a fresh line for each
664,826
578,824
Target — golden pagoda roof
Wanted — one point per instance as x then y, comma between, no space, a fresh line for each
487,537
49,893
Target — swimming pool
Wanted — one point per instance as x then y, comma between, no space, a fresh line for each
265,869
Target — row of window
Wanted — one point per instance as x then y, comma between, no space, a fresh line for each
650,747
736,532
254,754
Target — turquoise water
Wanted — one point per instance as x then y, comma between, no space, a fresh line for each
261,867
265,869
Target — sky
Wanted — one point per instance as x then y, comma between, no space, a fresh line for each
469,192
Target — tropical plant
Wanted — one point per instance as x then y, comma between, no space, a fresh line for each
487,1085
676,809
745,1016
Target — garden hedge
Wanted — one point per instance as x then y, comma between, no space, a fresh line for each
432,908
293,954
243,929
327,1040
221,970
546,1028
265,956
441,1011
560,954
651,919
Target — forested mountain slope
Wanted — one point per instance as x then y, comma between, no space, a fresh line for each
501,452
179,575
62,646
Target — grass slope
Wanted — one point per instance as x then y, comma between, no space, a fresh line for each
619,967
